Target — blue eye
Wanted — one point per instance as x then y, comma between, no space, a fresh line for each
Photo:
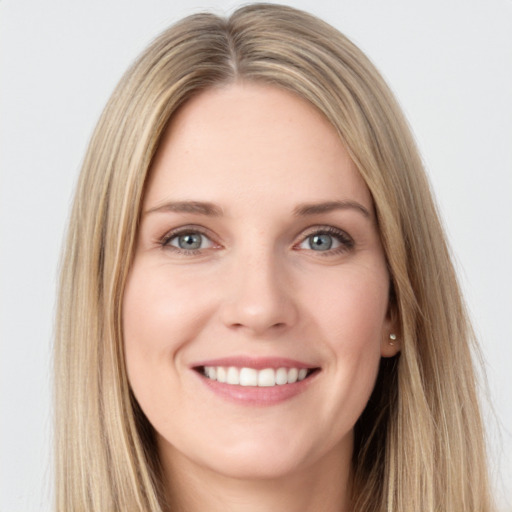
328,240
320,242
189,241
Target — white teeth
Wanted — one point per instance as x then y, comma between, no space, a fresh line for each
267,377
221,373
233,376
282,376
293,375
248,377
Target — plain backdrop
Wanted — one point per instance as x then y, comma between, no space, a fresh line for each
449,63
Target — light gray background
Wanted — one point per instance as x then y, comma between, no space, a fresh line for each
448,61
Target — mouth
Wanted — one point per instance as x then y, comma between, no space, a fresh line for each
263,378
256,381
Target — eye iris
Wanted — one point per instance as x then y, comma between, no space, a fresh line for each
320,242
189,241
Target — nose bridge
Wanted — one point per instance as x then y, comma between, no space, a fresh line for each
260,295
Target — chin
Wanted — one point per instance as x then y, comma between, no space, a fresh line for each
257,465
274,456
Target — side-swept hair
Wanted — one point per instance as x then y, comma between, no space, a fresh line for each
419,445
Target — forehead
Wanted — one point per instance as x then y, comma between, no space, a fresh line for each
249,143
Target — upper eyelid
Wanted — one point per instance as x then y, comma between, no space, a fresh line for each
323,227
331,230
190,228
298,238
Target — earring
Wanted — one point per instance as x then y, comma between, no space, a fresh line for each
392,338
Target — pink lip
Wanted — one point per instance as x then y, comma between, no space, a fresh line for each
253,395
258,363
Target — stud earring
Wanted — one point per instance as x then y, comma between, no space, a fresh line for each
392,338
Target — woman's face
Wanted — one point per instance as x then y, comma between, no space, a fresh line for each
258,263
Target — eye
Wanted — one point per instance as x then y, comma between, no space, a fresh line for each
328,240
321,242
188,242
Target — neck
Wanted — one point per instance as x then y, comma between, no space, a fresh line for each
324,485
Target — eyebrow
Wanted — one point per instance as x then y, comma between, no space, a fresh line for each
212,210
198,207
329,206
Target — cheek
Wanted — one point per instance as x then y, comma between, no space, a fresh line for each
158,309
351,319
352,309
159,317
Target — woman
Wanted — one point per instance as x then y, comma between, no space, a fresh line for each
258,309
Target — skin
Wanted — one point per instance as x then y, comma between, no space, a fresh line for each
255,287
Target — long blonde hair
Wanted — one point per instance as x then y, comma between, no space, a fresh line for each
419,444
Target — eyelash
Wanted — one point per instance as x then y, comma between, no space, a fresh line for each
346,241
164,241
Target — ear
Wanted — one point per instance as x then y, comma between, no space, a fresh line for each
391,333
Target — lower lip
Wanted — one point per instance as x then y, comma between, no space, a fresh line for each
257,396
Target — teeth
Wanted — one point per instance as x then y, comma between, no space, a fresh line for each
248,377
267,377
233,375
221,373
282,376
293,375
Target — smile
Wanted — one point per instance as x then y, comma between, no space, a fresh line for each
256,381
266,377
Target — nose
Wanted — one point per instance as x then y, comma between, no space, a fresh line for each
259,298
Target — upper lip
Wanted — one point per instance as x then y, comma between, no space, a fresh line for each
258,363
